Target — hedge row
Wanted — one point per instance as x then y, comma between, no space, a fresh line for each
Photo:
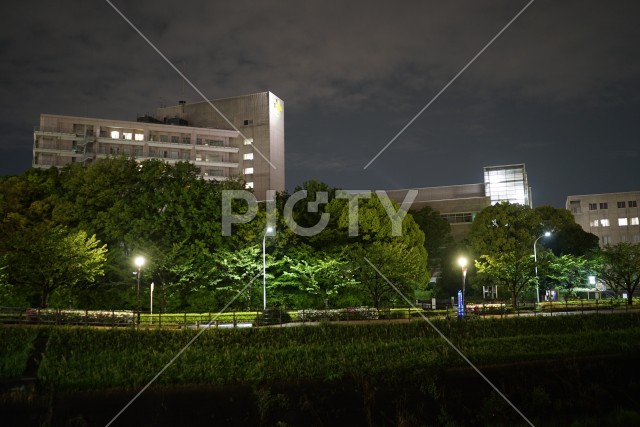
79,358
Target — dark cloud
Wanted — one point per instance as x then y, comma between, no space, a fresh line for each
560,86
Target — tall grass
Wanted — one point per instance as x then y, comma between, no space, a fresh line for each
85,358
16,345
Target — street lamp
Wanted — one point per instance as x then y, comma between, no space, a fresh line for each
269,232
139,261
462,262
151,286
535,261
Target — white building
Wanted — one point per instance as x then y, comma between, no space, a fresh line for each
252,146
613,217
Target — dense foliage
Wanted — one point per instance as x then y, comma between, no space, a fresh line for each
69,238
87,358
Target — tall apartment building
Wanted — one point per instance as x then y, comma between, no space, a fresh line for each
249,144
613,217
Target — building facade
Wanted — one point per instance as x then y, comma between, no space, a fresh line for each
251,146
613,217
507,182
459,204
259,118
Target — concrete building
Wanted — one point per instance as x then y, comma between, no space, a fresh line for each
259,118
508,182
459,204
249,144
613,217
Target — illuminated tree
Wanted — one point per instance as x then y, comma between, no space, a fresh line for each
620,267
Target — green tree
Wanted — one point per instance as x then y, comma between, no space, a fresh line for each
47,257
567,236
319,275
502,236
401,258
437,235
620,267
569,271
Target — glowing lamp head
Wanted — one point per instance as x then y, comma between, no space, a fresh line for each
547,233
139,261
462,262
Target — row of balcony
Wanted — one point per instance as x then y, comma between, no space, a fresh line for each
158,144
105,136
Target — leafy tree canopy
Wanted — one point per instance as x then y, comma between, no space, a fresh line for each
620,267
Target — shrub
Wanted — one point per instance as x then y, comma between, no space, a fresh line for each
353,313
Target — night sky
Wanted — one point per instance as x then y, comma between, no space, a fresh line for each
558,90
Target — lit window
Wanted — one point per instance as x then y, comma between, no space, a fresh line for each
249,184
248,141
621,205
127,135
139,137
248,171
248,156
115,134
622,222
634,221
604,205
594,223
604,222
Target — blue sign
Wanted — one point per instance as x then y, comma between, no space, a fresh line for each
460,304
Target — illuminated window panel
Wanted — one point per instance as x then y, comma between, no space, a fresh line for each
622,222
248,156
604,222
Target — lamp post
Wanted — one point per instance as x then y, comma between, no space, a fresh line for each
139,261
535,261
151,301
462,262
268,231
